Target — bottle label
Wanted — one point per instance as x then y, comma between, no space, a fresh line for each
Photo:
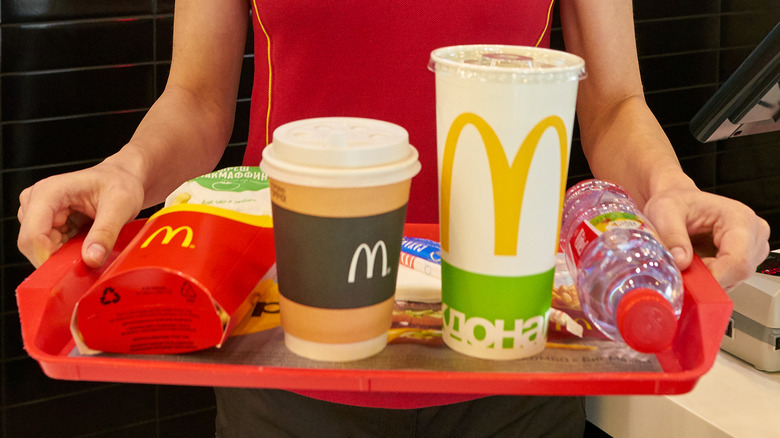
588,231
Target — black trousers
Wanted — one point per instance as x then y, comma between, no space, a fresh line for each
275,413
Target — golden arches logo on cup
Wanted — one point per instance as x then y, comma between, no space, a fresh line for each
169,234
508,181
371,254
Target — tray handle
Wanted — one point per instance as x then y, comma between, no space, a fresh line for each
47,297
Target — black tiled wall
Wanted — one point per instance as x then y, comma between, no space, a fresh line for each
78,76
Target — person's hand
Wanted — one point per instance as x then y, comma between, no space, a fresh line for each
729,237
53,210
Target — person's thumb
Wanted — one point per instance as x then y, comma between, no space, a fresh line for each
103,233
674,235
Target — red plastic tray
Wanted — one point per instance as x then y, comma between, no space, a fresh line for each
46,300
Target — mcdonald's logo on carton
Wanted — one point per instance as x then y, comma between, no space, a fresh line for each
169,233
181,284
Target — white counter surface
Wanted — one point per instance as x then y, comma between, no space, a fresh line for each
732,400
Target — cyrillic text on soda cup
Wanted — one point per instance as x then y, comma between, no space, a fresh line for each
483,333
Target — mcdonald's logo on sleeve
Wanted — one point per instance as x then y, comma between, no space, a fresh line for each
168,233
370,260
508,181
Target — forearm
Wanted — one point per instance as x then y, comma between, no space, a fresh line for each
185,132
621,138
177,140
625,144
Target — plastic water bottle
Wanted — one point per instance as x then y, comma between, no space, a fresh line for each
628,282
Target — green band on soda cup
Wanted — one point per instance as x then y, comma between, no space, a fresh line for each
495,297
495,312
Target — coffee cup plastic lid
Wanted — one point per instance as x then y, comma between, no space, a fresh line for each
340,151
503,63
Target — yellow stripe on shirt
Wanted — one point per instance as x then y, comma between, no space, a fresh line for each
546,23
270,73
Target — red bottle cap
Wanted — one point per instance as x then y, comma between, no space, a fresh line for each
646,320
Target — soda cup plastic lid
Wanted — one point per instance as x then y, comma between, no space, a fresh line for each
319,150
512,64
646,320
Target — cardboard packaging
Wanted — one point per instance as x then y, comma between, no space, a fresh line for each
181,285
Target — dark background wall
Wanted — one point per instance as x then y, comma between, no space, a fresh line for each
77,76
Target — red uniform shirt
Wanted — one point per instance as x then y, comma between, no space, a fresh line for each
369,59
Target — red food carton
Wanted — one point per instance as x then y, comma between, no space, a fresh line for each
181,285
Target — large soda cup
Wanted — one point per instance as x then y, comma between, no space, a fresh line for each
504,117
339,189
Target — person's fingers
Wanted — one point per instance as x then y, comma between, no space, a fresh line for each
53,210
38,237
741,246
731,263
73,224
729,237
113,213
37,249
38,243
670,224
23,200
